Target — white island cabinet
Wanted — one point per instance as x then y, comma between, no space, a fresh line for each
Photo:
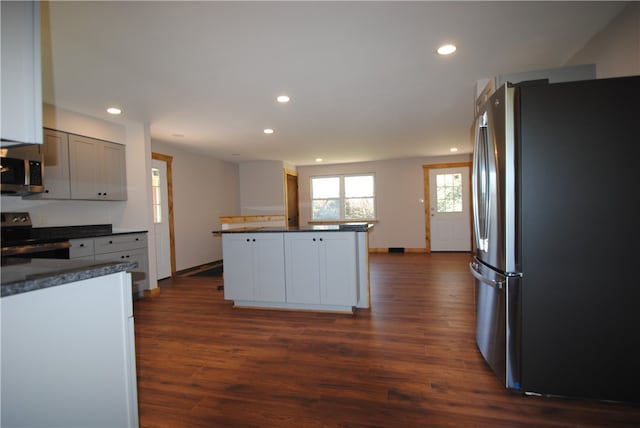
254,267
68,354
321,268
316,270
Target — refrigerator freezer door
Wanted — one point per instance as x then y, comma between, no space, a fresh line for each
497,322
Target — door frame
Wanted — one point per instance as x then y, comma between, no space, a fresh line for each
427,201
172,243
288,172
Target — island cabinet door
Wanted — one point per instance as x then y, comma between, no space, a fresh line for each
237,254
302,267
338,268
254,267
268,272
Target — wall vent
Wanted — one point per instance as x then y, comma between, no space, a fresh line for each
396,249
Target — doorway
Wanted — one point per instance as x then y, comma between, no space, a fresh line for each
162,200
291,200
447,201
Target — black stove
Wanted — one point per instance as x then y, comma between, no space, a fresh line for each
20,239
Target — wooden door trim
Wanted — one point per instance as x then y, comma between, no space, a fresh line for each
172,243
427,195
288,172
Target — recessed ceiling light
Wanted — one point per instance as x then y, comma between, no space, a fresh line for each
319,159
453,149
283,99
268,131
114,110
447,49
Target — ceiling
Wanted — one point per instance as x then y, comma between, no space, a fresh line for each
364,79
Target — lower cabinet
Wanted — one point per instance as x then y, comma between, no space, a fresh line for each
125,247
254,267
321,268
68,355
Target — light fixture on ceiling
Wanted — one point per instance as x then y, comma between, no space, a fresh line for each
283,99
268,131
114,110
453,149
447,49
319,159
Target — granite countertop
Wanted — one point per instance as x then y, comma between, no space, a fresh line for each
20,275
344,227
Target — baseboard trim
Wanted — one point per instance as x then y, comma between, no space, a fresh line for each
199,268
406,250
152,292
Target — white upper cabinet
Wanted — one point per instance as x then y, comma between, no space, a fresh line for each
97,169
21,73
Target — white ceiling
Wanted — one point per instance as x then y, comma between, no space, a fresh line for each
364,79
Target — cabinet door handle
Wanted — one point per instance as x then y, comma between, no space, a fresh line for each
254,239
320,239
110,242
81,245
248,240
314,239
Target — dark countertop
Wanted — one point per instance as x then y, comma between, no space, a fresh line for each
75,232
20,275
345,227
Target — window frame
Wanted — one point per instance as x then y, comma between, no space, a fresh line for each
342,198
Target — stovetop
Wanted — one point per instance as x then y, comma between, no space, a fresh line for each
17,230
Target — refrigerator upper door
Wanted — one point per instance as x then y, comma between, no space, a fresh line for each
493,182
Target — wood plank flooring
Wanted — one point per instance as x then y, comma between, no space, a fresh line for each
410,361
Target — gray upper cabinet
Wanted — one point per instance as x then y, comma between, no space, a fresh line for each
20,73
97,169
55,151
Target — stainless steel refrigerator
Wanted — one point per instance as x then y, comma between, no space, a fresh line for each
556,190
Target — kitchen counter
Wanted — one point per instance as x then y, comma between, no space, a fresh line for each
345,227
20,275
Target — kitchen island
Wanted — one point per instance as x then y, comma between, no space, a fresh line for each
68,353
315,268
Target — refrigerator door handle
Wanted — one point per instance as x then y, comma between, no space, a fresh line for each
475,271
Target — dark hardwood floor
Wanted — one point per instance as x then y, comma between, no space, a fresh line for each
410,361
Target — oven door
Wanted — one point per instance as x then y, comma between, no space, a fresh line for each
49,250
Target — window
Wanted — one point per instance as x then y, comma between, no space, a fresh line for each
343,197
156,202
449,193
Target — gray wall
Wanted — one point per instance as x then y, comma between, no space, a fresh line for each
616,49
203,190
399,197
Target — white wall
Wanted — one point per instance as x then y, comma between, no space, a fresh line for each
616,49
262,188
203,190
399,197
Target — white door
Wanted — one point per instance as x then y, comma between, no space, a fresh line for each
449,208
161,218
